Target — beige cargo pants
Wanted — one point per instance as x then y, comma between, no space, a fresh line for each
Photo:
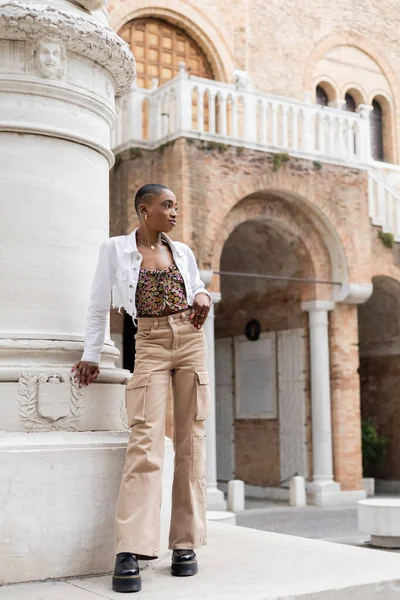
166,347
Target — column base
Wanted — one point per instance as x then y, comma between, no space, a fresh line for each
329,493
58,493
385,541
215,499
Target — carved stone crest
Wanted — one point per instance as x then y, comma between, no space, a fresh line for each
49,402
47,58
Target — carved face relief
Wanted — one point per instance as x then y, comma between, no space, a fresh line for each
48,59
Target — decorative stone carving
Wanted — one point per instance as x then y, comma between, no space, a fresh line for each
49,402
47,58
23,21
241,80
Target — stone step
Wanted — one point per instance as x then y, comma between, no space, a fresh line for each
245,563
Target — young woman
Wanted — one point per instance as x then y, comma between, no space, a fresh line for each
157,281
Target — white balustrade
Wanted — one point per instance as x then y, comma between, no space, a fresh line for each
210,110
205,109
384,205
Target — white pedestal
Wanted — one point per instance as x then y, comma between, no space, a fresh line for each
236,495
380,518
297,492
58,493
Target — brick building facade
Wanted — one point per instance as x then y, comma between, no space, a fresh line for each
276,126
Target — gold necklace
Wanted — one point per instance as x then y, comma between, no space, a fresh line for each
152,246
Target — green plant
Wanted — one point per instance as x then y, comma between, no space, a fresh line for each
279,159
215,146
373,444
317,165
239,150
386,238
135,153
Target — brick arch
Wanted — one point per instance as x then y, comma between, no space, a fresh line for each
326,260
351,39
304,194
189,18
385,269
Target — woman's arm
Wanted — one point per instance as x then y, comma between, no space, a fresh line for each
202,299
98,309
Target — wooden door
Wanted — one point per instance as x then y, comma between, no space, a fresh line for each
159,47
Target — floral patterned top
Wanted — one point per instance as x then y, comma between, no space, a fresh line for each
157,290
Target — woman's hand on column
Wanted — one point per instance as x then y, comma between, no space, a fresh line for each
200,309
85,372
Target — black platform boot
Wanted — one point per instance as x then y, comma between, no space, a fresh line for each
126,576
184,563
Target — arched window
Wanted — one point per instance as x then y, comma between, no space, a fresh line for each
159,47
376,121
321,96
350,103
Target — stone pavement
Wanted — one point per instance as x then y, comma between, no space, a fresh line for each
241,563
330,524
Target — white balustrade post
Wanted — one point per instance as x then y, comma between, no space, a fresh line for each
134,113
323,482
285,126
264,123
222,115
211,112
154,113
363,144
200,110
308,141
184,100
215,497
250,118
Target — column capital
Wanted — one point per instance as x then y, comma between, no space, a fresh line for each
318,305
355,293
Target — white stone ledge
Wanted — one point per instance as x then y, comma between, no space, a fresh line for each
61,440
380,518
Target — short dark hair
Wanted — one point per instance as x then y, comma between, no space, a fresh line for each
149,189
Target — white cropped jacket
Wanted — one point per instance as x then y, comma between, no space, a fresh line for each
117,275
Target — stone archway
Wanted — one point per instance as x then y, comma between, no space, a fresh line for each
379,335
268,234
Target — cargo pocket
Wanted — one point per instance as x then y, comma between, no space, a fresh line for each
202,395
136,396
198,457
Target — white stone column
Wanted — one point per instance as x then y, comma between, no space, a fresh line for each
215,497
61,448
323,483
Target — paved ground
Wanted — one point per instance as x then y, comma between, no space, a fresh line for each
246,564
331,524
